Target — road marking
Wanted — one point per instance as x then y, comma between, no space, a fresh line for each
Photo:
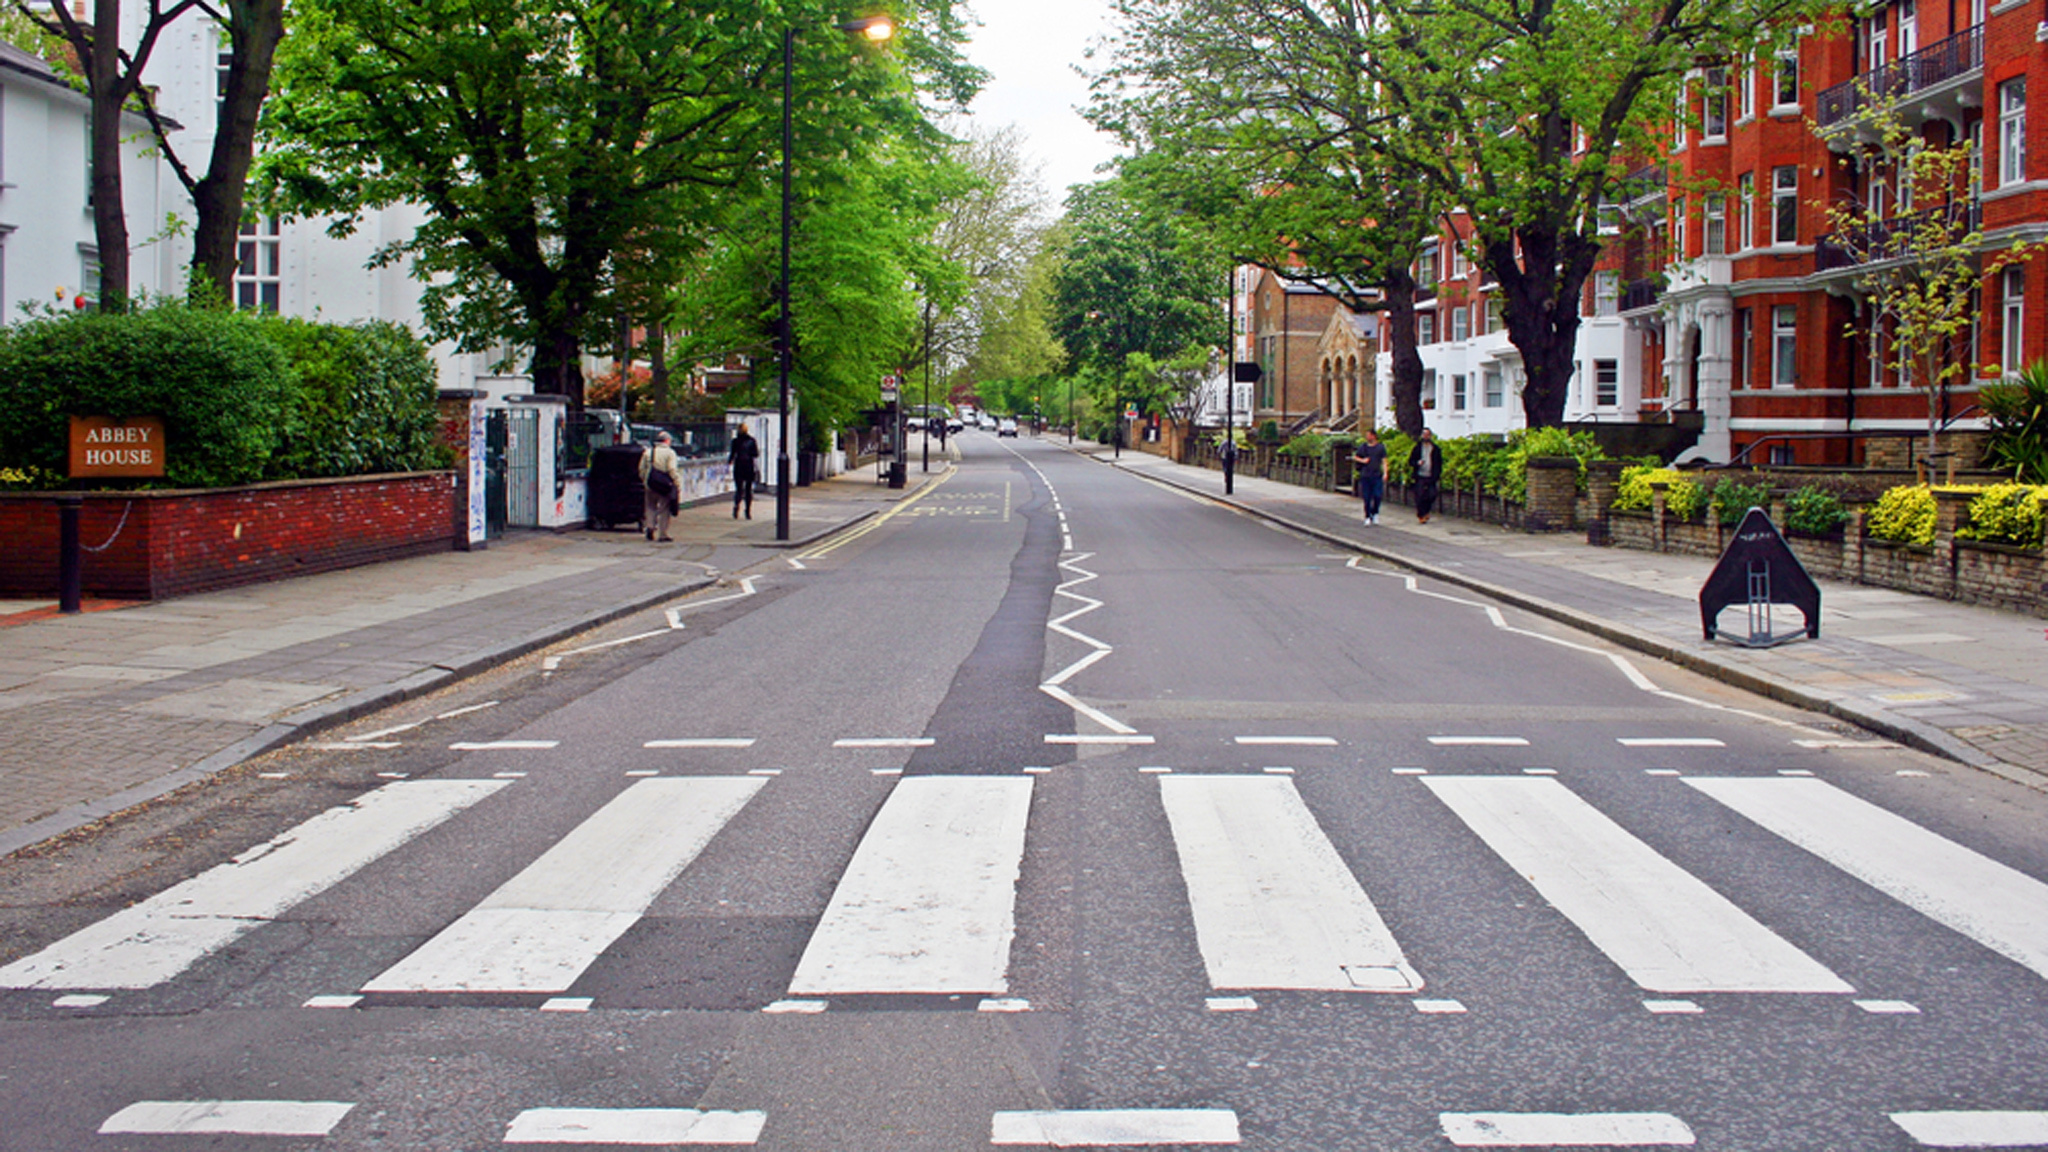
79,1000
1662,772
337,746
1274,906
703,742
1003,1004
1851,745
1289,741
502,745
884,742
794,1008
567,1004
634,1126
1112,1126
643,771
332,1002
1479,741
1672,1008
1411,771
1155,770
1667,930
885,771
1278,771
543,927
1440,1007
1232,1004
1089,738
1974,1129
764,771
1668,742
927,904
508,775
1053,685
453,713
153,941
228,1117
1539,771
1888,1007
1998,907
1557,1129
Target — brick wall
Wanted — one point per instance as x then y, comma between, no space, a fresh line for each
153,545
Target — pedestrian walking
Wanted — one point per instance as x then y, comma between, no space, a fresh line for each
745,457
663,480
1370,457
1426,465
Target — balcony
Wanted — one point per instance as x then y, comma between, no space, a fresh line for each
1642,293
1939,66
1881,240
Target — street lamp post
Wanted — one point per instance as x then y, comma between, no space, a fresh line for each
877,29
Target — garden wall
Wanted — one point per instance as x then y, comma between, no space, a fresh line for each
156,544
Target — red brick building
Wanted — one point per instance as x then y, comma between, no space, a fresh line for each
1749,319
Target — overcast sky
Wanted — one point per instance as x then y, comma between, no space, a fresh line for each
1032,46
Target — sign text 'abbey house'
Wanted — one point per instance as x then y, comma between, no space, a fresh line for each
102,446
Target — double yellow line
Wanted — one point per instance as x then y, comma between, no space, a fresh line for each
867,526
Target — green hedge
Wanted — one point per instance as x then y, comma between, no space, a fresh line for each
243,397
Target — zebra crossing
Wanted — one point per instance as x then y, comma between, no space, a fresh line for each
926,904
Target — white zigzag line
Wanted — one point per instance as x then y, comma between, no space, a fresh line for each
1052,687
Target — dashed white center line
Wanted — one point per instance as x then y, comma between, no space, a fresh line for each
703,742
1288,741
332,1002
1672,1007
1555,1129
1668,742
567,1004
1112,1126
1479,741
1232,1004
1974,1129
1887,1007
644,1126
794,1008
1085,738
78,1000
228,1117
1441,1007
884,742
502,745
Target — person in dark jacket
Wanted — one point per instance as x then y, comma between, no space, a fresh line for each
745,457
1426,467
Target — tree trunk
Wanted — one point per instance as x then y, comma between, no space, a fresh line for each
254,29
1406,383
109,217
557,368
657,359
1540,294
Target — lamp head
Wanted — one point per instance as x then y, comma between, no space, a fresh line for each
875,29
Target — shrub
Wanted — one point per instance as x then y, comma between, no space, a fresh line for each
1904,515
2018,412
1466,458
1511,478
2007,514
1814,511
221,386
1684,499
1399,444
1314,445
1731,501
365,401
1269,432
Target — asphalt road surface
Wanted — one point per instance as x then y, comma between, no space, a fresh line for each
1053,809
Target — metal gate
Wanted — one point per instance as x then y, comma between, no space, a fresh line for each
494,473
522,467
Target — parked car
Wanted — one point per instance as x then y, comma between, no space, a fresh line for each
1007,426
913,424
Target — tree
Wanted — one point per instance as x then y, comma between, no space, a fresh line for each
116,77
545,139
1268,136
1919,271
1015,341
1131,281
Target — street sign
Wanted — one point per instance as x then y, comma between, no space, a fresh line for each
1758,569
1130,412
102,446
890,386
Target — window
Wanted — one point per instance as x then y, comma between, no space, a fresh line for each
1873,41
1745,94
1783,456
1606,383
256,269
221,63
1496,392
1745,211
2012,131
1425,327
89,275
1717,226
1681,213
1714,105
1785,204
1976,13
1461,267
1785,80
1429,388
1461,323
1909,29
1608,219
2013,311
1606,293
1784,346
1493,315
1684,117
1425,267
1459,401
1745,347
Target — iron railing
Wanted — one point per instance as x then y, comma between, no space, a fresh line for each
1938,63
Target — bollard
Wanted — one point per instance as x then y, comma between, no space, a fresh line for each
70,568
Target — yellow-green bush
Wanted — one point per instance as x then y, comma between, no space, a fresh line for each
1685,498
2007,514
1904,515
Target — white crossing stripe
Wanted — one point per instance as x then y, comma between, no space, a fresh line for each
1479,741
884,742
228,1117
153,941
543,927
1274,905
703,742
1668,931
1558,1129
1974,1129
1998,907
928,902
1288,741
1669,742
502,745
1085,738
634,1126
1111,1127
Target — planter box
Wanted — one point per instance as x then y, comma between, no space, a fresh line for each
156,544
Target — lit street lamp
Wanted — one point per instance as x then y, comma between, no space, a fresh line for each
876,29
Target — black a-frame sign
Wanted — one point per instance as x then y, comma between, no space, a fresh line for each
1758,570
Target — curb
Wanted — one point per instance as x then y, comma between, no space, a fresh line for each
333,714
1911,733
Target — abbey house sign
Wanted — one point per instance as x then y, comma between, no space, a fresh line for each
102,446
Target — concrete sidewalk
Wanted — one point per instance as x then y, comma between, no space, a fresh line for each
1960,681
104,710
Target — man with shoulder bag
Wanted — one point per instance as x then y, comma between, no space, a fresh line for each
663,477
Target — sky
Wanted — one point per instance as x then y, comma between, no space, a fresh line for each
1031,47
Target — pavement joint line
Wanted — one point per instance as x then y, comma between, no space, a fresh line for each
1912,733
